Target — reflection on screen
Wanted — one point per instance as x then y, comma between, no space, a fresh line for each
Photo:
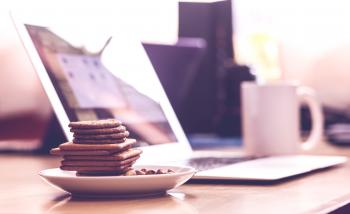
108,84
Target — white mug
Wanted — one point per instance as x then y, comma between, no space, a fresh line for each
270,117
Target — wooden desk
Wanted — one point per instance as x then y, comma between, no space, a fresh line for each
22,191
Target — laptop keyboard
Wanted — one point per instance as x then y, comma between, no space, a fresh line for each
205,163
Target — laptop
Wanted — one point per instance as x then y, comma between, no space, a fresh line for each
177,66
118,81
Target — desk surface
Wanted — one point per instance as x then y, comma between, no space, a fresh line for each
22,191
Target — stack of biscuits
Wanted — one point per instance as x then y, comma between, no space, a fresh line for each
100,147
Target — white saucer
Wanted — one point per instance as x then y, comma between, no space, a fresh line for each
118,186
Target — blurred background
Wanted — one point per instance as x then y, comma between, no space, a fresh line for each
210,47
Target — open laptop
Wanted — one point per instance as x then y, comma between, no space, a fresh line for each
177,66
119,82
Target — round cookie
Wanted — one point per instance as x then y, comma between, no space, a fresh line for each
104,141
119,135
98,131
95,124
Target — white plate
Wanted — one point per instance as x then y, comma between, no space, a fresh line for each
119,186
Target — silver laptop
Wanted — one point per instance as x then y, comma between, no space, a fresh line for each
118,81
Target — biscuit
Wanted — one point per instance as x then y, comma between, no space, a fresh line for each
95,124
118,156
104,141
119,135
121,163
99,173
98,131
116,169
58,151
79,147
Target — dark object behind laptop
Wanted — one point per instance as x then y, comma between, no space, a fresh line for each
227,121
337,126
211,21
210,98
178,68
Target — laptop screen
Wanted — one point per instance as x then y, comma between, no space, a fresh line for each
111,83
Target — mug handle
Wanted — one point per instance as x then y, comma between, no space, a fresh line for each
307,95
